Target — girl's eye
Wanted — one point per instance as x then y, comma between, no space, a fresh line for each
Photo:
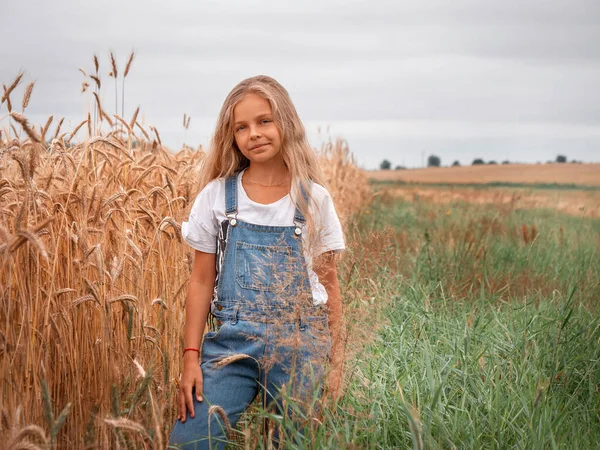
266,120
240,128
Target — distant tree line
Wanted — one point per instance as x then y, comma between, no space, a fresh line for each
436,161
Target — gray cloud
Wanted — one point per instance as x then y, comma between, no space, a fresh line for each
460,76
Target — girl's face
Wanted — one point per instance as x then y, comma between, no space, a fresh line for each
254,129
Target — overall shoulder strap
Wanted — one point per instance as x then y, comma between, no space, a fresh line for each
298,216
231,204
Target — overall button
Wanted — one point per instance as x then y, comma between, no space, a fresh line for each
298,231
219,323
220,307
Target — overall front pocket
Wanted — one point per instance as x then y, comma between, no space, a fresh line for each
263,267
215,332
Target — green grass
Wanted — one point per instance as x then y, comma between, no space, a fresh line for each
475,376
500,350
467,356
463,248
492,348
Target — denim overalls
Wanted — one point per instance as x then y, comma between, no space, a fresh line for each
267,336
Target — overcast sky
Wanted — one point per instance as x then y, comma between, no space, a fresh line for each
496,79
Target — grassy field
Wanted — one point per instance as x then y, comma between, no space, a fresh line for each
475,329
488,332
579,202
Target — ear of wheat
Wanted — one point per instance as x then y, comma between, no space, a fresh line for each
27,96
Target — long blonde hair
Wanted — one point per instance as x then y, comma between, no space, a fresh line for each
225,159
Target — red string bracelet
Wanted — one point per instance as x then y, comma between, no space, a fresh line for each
191,348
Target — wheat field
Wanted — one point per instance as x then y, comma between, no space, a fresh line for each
581,174
94,274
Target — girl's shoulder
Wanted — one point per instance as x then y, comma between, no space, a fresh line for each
318,190
213,187
210,193
319,194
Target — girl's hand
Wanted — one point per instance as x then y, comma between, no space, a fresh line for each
192,376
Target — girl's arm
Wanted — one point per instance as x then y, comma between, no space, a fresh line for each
326,270
200,292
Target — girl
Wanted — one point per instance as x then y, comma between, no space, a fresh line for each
264,230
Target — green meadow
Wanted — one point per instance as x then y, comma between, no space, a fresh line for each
469,327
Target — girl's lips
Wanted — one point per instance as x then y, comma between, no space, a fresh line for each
259,146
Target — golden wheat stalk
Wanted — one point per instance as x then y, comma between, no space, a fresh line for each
147,171
140,368
172,222
113,143
98,104
77,128
112,198
135,248
134,118
114,73
113,63
85,298
127,68
128,65
156,133
127,424
160,302
89,125
231,359
60,122
124,298
22,440
45,129
27,96
223,415
91,287
116,270
63,291
9,89
21,120
103,114
120,119
143,131
28,236
6,98
96,80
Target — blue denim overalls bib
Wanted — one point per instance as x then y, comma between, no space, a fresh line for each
266,324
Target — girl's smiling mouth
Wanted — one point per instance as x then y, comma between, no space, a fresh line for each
259,147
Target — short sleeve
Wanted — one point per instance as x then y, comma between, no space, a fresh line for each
330,235
200,231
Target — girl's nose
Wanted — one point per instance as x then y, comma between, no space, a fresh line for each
254,132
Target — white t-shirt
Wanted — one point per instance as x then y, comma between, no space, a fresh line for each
208,211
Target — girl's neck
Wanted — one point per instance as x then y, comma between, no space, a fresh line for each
268,173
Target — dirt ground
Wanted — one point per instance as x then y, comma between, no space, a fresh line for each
583,174
576,203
